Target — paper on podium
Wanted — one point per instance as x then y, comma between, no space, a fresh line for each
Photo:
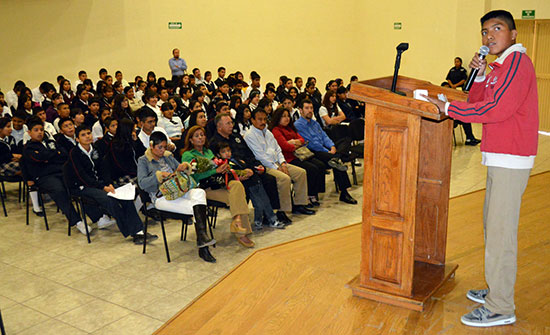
417,94
125,192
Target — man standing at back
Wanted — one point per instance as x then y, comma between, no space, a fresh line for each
178,66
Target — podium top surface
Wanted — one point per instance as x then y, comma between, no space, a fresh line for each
377,92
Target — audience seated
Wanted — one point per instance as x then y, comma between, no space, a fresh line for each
196,150
157,165
323,148
241,151
120,160
44,166
9,158
86,180
118,132
266,149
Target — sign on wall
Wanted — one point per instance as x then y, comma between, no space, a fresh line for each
397,25
528,14
174,25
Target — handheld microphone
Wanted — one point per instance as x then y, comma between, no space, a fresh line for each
483,51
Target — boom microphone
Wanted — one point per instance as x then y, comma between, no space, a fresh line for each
483,51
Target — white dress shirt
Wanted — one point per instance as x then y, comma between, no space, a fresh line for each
265,147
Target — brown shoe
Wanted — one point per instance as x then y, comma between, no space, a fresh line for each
236,227
245,241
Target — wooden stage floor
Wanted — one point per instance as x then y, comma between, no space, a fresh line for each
299,287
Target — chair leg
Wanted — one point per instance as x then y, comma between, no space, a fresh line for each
164,237
215,217
145,229
41,200
186,226
85,220
3,204
353,173
2,330
454,137
182,228
27,201
4,190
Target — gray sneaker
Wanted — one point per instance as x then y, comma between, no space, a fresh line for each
482,317
258,226
277,225
477,295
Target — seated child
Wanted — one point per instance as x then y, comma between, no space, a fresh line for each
93,112
43,164
9,159
98,129
85,179
19,128
65,139
102,145
78,116
253,186
63,111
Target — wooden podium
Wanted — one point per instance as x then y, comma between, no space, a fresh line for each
406,180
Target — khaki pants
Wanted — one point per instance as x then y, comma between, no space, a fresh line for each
505,188
235,198
298,176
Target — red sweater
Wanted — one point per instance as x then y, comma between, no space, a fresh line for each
506,103
283,135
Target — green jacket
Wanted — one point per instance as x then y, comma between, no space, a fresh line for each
188,156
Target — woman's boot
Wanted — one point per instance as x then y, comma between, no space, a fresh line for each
203,240
205,254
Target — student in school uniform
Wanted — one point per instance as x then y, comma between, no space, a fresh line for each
85,179
151,101
81,100
63,111
65,139
120,161
9,158
43,164
102,145
92,116
51,112
98,129
149,121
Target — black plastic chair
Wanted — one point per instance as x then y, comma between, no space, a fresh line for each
28,190
3,195
78,201
186,220
212,213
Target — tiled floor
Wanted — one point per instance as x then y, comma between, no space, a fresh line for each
54,284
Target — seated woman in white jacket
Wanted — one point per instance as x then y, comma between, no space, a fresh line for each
157,164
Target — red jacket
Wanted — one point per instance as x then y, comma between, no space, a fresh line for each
283,135
506,103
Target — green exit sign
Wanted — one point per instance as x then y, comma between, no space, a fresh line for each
528,14
397,25
174,25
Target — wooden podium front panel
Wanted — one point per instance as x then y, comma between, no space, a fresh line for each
432,202
389,192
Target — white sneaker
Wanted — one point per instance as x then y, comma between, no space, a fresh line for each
80,226
105,222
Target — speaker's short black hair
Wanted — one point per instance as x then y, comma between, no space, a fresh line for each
500,14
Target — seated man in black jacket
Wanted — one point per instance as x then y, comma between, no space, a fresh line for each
43,165
86,180
241,151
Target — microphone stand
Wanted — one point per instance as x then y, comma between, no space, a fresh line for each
396,71
400,49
